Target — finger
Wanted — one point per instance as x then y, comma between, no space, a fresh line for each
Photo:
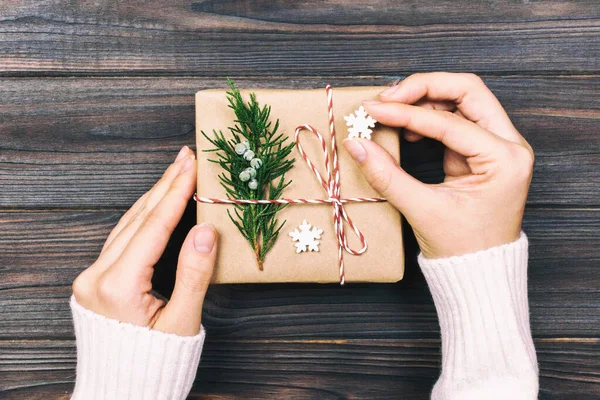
436,105
455,165
182,314
149,241
125,220
132,220
169,174
411,136
430,105
385,176
458,134
471,96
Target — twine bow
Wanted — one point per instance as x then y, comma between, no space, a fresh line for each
332,187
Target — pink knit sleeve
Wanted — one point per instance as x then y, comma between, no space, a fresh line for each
481,300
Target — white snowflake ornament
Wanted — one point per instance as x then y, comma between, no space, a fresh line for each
306,237
360,124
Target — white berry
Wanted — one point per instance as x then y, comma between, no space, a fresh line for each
252,172
249,155
245,176
253,184
256,163
240,148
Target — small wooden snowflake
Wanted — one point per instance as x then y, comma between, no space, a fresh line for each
306,237
360,124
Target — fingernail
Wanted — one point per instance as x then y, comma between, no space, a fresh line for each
389,91
184,150
356,150
187,164
204,241
371,102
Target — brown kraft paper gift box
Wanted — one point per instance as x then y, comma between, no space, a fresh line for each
380,223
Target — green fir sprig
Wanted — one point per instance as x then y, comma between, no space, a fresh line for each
257,222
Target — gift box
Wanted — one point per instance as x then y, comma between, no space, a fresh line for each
378,222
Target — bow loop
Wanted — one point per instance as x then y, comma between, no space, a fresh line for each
332,186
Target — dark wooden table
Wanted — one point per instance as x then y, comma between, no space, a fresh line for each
97,97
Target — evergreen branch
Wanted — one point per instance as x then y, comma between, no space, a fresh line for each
258,224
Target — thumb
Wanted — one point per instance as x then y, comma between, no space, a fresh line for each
384,174
182,314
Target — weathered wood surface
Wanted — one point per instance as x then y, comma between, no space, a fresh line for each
260,38
44,251
103,142
304,369
96,98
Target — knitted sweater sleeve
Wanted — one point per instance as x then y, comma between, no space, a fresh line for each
481,301
116,360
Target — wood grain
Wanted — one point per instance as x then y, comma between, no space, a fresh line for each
258,38
299,369
43,252
103,142
97,98
390,12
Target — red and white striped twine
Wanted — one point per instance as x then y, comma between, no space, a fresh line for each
332,186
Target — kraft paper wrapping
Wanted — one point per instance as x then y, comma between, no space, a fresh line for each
379,222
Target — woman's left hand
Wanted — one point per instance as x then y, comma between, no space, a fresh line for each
118,285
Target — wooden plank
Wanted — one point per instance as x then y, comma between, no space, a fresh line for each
253,15
234,38
42,252
306,369
103,142
390,12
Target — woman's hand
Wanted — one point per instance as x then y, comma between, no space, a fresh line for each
488,164
118,285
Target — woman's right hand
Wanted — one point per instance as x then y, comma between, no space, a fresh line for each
488,164
119,284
